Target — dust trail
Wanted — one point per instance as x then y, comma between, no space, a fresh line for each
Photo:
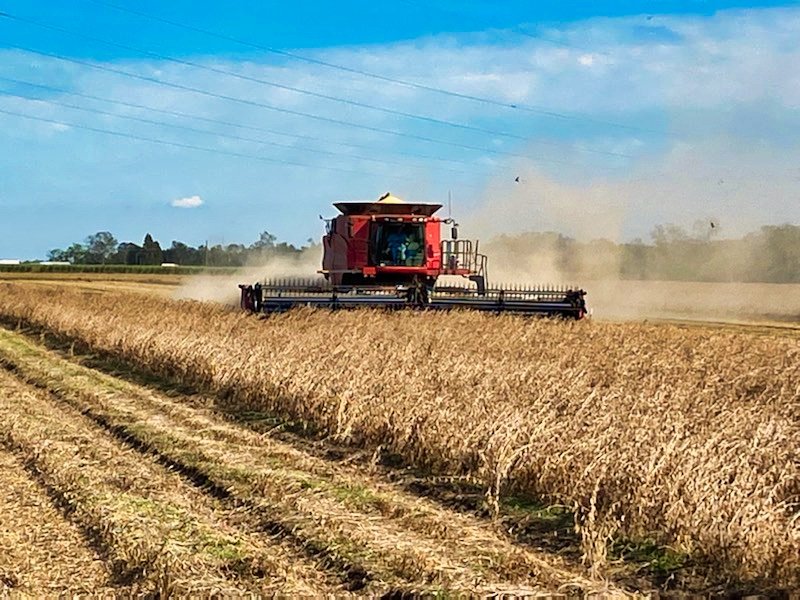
224,288
691,300
714,190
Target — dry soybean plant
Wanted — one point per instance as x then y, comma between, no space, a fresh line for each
688,436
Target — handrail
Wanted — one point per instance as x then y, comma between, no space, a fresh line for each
459,254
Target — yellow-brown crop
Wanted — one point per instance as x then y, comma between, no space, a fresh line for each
687,435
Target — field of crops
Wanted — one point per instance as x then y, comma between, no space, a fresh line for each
136,270
608,299
674,449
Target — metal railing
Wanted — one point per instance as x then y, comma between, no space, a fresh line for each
460,255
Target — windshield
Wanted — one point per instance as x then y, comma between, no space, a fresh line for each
398,244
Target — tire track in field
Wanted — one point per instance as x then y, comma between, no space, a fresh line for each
400,540
158,535
41,552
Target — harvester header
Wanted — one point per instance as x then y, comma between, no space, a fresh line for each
390,253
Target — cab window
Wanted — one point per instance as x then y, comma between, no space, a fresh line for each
399,244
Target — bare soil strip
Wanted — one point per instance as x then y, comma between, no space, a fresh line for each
41,552
344,515
157,533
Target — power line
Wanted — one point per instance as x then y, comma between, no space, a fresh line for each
193,147
217,134
230,153
274,84
229,123
547,112
271,160
281,109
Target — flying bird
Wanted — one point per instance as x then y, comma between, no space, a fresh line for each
712,225
516,178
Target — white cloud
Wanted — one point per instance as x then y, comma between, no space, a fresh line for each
188,202
608,66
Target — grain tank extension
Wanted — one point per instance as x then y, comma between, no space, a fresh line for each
390,253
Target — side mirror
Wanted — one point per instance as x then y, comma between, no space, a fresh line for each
454,233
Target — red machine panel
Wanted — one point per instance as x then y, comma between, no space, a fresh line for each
391,242
433,236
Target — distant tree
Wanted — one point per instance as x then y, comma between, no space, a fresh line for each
100,247
284,249
151,253
57,255
215,256
262,249
780,248
127,254
635,260
265,241
237,255
76,254
668,234
183,254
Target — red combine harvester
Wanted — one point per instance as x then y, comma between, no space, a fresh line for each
390,254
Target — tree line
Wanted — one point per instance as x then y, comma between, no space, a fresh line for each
673,253
102,248
771,254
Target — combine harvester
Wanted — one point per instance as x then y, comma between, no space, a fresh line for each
389,254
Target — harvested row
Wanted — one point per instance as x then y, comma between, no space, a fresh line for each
40,551
683,435
156,533
399,541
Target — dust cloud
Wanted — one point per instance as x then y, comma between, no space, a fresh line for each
224,288
713,191
777,303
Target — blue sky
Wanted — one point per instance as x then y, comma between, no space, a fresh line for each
321,24
616,117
